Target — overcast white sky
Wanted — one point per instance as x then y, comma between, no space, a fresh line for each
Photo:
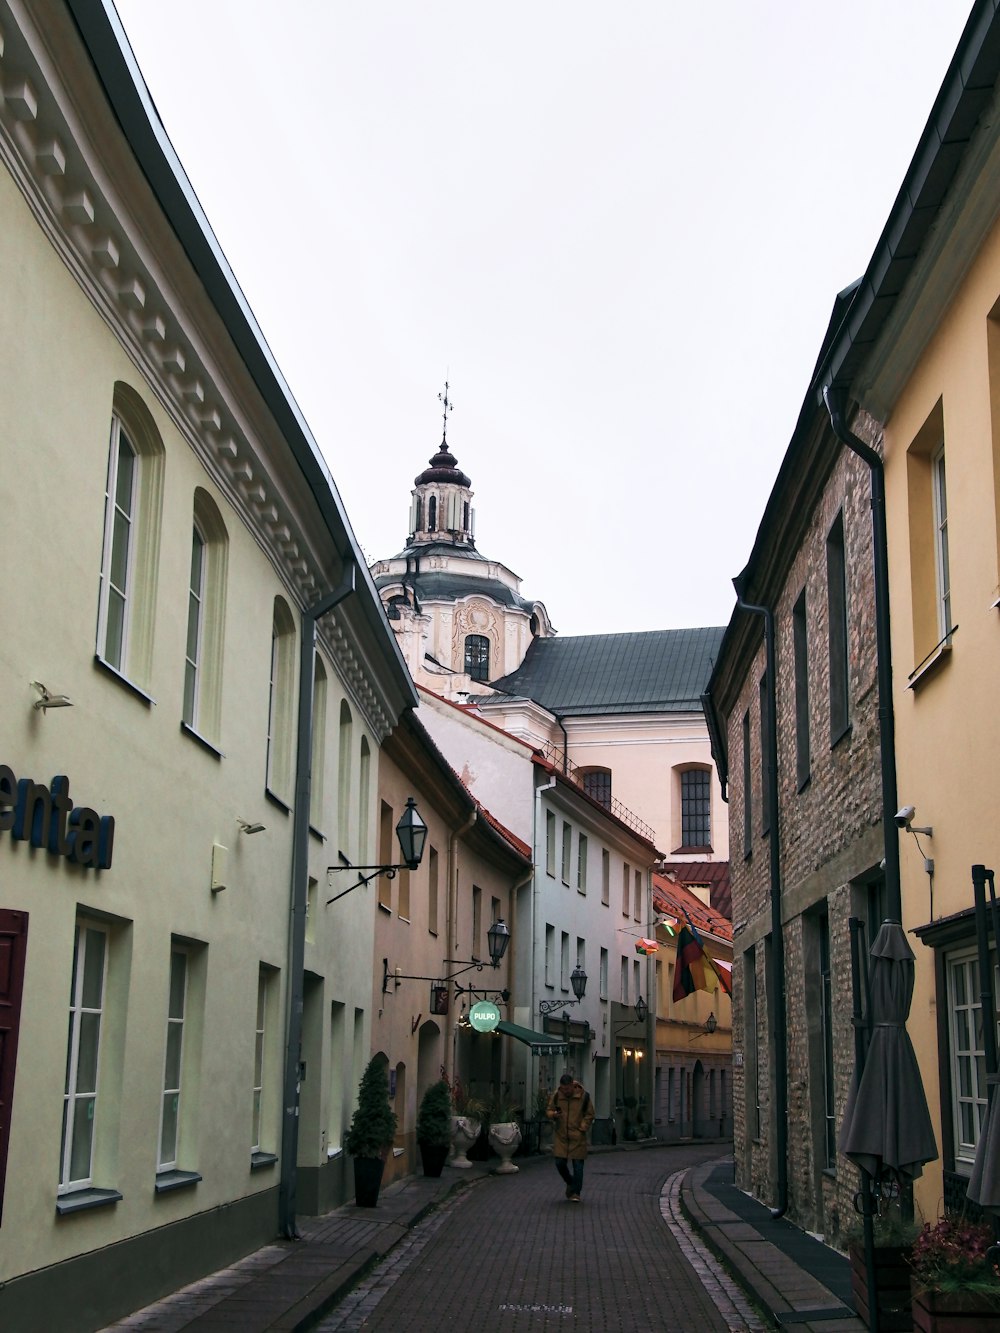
618,228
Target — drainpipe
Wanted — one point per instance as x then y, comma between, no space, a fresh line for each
565,764
779,1025
452,926
833,398
288,1186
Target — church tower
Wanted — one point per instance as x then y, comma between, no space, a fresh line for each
459,617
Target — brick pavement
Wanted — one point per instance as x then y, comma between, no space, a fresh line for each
511,1253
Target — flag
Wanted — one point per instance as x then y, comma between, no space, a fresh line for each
725,971
646,946
689,970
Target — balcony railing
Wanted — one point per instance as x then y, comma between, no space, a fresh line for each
556,756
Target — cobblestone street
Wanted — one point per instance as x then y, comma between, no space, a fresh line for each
514,1253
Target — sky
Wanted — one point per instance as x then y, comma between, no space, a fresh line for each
617,230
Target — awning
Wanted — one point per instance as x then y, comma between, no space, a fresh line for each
540,1042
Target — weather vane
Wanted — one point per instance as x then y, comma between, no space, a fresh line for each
448,405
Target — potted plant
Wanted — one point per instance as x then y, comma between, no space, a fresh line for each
434,1127
373,1128
893,1236
954,1285
465,1121
504,1132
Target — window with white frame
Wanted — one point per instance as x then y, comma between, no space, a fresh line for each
623,996
170,1102
266,981
604,975
567,851
940,489
196,609
967,1054
626,876
550,955
132,504
581,863
201,709
279,715
86,1015
637,896
605,876
564,961
317,767
550,842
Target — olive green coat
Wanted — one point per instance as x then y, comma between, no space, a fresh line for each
572,1112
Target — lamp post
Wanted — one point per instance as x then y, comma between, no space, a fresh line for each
578,980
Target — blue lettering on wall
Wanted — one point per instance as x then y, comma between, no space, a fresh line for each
47,818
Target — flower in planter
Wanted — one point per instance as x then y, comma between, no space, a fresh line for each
950,1257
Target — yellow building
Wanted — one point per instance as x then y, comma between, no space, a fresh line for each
197,678
920,353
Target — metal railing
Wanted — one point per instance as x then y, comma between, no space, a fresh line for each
556,756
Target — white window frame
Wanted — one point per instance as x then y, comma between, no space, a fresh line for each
259,1058
581,863
942,563
966,1061
119,440
74,1099
172,1088
195,628
567,851
623,997
603,980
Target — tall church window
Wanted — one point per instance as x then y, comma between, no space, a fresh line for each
432,514
696,807
597,784
477,656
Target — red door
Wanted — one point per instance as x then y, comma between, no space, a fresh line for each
13,942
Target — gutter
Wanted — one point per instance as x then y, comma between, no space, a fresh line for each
288,1186
834,400
779,1024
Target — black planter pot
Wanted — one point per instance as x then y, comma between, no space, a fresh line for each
433,1157
367,1180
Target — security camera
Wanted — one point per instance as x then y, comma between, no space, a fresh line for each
904,817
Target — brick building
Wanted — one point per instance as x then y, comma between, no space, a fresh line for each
806,848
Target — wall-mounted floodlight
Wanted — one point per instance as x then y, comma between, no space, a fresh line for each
48,699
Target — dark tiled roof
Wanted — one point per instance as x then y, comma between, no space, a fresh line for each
662,670
713,873
452,587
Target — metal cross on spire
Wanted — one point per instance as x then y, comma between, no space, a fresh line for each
448,406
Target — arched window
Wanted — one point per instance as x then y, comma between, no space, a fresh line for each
344,780
206,619
465,516
477,656
132,505
597,784
279,719
418,514
432,514
364,799
318,763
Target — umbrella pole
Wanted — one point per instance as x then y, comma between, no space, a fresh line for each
857,927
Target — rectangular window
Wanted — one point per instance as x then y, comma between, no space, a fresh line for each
968,1056
564,961
836,608
626,876
623,997
170,1103
747,788
765,757
581,863
941,542
696,808
567,851
636,978
260,1036
605,876
800,644
637,896
550,843
550,955
581,953
86,1014
604,975
432,891
597,785
829,1087
385,856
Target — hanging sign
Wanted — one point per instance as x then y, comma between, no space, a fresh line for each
484,1016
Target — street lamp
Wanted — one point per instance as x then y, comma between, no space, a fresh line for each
578,980
711,1023
411,831
498,937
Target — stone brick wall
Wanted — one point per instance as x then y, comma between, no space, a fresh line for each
829,840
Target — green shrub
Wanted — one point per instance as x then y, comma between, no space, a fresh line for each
434,1116
373,1125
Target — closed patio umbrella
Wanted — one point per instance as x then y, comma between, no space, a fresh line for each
984,1183
887,1126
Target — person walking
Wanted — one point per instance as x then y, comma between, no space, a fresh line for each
572,1111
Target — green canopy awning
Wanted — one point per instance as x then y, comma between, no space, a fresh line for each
540,1042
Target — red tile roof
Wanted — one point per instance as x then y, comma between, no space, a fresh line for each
677,901
714,875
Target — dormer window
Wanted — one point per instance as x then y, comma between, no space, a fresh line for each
477,657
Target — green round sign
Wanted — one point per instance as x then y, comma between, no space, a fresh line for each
484,1016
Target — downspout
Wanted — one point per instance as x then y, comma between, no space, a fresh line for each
565,764
777,936
833,399
288,1186
452,926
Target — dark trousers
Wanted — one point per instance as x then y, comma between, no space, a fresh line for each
571,1170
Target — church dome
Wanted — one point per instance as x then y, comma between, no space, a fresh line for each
443,468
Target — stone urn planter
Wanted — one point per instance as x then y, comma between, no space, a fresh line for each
464,1133
505,1140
